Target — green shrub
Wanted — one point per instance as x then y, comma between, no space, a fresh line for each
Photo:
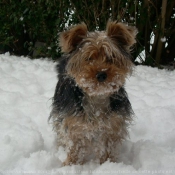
31,27
25,23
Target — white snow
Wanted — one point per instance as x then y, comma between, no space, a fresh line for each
27,142
163,39
21,18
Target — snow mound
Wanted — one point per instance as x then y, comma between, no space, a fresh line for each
27,142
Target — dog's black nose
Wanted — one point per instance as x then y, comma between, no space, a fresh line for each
101,76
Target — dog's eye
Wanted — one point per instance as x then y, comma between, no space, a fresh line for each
88,59
109,61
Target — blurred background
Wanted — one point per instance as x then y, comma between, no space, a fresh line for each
31,27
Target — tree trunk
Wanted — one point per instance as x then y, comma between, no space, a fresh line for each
161,33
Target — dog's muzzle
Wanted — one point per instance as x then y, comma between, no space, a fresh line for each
101,76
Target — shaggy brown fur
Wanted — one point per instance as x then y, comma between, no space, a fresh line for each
91,110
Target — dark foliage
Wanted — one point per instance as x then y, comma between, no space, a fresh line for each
30,27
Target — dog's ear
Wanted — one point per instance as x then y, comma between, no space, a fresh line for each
71,38
121,34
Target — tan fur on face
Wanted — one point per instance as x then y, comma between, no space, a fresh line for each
99,54
86,78
98,45
98,51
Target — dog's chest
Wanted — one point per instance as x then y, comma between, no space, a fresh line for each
95,106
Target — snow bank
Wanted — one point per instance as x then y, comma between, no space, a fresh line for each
27,144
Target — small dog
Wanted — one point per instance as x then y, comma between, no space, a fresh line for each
91,110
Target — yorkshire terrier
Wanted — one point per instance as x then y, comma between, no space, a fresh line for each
91,111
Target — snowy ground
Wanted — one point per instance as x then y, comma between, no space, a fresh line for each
27,144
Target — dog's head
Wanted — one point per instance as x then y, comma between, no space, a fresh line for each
99,61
